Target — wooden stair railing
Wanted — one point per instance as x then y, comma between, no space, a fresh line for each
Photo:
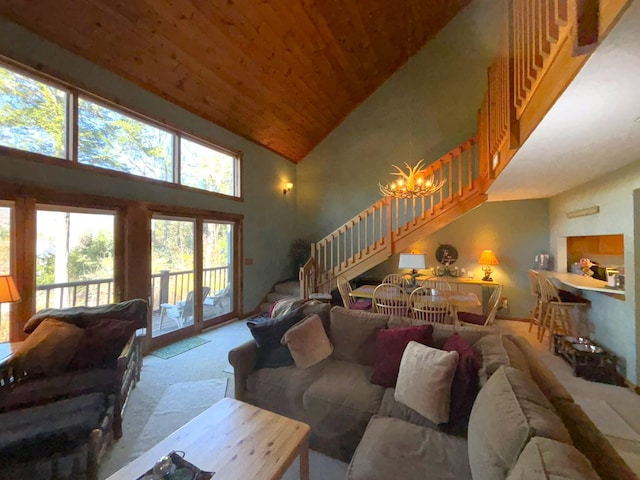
391,223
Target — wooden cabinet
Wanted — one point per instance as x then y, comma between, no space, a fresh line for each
595,246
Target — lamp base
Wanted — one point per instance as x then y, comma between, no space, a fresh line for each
487,278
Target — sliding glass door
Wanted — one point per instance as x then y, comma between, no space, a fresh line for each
217,269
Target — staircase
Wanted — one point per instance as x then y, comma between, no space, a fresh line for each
280,291
391,225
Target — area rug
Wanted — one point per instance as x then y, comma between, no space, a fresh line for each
179,347
180,403
607,419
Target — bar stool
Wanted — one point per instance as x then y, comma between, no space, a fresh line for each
557,318
537,312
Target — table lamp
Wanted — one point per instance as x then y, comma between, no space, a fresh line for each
8,291
487,258
413,261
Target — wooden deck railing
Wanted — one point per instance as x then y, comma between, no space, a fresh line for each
166,287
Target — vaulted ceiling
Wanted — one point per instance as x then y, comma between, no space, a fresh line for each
282,73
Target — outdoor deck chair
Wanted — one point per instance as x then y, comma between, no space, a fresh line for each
181,312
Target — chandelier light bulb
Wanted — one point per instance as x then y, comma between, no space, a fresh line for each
414,183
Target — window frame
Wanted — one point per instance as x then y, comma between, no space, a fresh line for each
71,135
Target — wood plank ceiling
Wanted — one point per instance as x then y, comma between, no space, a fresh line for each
282,73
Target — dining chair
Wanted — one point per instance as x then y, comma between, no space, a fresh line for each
344,288
390,299
427,308
468,318
434,282
558,313
395,279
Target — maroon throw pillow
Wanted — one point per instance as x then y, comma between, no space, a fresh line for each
390,345
474,318
102,342
465,381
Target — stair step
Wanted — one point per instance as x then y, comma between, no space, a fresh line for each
275,296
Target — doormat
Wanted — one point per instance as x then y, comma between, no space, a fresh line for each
179,347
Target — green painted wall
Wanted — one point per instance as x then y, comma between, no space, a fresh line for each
269,217
423,111
613,321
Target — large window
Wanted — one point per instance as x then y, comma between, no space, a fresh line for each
74,258
39,117
32,115
109,139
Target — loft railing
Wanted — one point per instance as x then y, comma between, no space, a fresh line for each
166,287
371,235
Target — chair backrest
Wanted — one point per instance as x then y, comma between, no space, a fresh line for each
429,308
391,300
548,291
434,282
493,304
534,285
187,310
394,279
344,287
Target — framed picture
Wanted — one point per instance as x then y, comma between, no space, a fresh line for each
446,254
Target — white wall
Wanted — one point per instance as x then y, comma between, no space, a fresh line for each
614,320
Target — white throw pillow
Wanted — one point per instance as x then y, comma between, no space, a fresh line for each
424,380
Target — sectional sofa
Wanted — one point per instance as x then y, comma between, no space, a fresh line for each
523,423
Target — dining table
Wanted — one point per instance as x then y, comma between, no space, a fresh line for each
456,300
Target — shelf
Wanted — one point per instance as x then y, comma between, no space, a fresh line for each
584,283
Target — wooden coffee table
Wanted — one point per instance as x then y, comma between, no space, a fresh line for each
236,441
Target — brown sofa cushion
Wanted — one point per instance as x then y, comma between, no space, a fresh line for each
509,410
308,342
493,355
545,459
395,449
49,349
353,334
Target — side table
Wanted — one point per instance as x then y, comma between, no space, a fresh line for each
588,359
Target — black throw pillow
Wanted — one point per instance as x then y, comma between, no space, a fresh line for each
274,356
270,331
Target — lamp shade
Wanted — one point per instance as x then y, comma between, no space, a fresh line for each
8,290
413,261
488,258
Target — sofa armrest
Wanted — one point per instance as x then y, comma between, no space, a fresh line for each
243,360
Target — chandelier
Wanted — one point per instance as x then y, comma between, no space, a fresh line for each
415,183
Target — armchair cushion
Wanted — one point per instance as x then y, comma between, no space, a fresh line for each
48,350
102,342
